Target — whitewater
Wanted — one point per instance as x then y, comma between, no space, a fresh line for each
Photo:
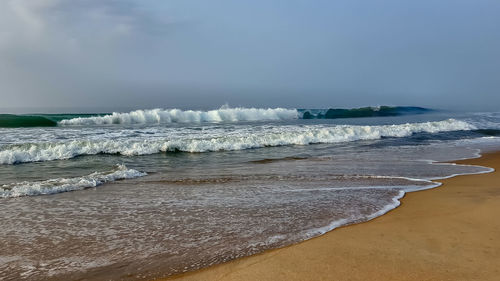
58,185
224,114
208,140
156,192
158,116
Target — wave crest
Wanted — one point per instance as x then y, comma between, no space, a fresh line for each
19,121
67,184
379,111
157,116
238,140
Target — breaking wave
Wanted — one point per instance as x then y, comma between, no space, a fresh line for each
158,116
380,111
223,114
236,140
18,121
59,185
36,120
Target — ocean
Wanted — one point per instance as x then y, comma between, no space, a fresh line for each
152,193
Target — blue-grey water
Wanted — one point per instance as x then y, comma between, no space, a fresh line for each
153,193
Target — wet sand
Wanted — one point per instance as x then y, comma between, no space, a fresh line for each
448,233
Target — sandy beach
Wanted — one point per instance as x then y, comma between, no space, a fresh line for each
249,140
447,233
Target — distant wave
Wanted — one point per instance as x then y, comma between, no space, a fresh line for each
158,116
489,132
36,120
223,114
274,136
380,111
67,184
17,121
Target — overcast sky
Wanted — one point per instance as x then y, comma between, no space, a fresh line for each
110,55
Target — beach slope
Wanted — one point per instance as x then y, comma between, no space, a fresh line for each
448,233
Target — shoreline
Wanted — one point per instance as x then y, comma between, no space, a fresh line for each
443,233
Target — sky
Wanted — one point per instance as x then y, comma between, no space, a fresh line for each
116,55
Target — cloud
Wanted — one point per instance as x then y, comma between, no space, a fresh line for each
196,53
52,26
63,50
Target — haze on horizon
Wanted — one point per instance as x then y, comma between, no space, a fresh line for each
106,55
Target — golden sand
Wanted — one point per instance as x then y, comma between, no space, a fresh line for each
448,233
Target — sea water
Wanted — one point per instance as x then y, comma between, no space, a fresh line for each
150,193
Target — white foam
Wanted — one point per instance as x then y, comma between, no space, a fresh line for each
205,141
395,202
59,185
157,116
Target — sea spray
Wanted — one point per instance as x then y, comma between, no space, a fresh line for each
223,114
158,116
196,210
237,139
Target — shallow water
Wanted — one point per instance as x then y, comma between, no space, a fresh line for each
179,211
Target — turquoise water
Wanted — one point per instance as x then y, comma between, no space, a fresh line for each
52,120
153,193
